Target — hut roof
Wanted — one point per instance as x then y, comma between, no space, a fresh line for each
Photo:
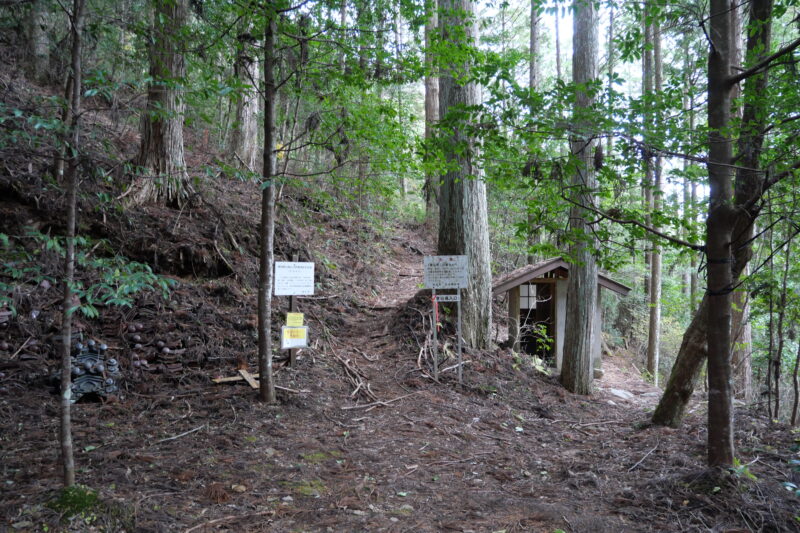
538,270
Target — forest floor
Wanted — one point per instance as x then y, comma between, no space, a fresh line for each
361,438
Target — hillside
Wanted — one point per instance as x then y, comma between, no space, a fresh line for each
361,439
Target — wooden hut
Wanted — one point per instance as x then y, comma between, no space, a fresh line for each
537,308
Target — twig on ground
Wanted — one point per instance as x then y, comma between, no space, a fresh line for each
24,344
227,519
198,428
377,403
645,457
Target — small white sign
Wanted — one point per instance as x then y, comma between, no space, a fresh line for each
294,279
446,272
294,337
448,298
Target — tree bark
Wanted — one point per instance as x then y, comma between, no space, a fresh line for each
431,111
244,139
463,216
558,45
576,370
654,329
749,187
69,305
38,41
647,156
742,346
719,226
160,156
267,226
776,361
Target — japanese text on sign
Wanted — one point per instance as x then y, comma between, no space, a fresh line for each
294,279
292,337
294,319
446,272
448,298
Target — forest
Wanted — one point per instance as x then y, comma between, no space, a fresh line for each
399,265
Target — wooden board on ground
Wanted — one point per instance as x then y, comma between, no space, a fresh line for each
248,377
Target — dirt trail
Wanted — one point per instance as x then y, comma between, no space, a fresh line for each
364,441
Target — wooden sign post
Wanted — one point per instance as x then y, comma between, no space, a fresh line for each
294,279
446,272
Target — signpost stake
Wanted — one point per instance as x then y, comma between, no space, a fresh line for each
435,340
293,309
458,332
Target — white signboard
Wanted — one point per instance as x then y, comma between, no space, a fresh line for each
294,337
446,272
448,297
294,279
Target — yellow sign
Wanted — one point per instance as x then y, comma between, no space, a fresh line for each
294,333
294,337
294,320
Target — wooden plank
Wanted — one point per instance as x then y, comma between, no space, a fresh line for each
232,378
248,377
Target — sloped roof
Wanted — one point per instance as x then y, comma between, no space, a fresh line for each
528,272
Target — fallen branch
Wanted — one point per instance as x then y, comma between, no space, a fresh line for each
378,403
198,428
227,519
643,458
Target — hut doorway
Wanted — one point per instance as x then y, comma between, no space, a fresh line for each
536,321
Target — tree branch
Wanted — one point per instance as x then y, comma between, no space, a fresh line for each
631,222
764,63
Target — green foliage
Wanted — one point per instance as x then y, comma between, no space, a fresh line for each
107,281
77,500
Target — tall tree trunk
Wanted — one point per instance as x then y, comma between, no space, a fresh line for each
244,139
776,375
647,156
576,369
771,334
610,68
267,227
749,187
534,74
431,111
654,329
160,155
796,385
463,217
69,305
38,41
558,45
720,222
742,345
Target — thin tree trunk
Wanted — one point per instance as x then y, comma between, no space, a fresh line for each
534,74
267,227
69,305
781,315
558,45
431,112
576,370
647,156
610,67
796,385
742,346
771,326
463,216
720,223
654,329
